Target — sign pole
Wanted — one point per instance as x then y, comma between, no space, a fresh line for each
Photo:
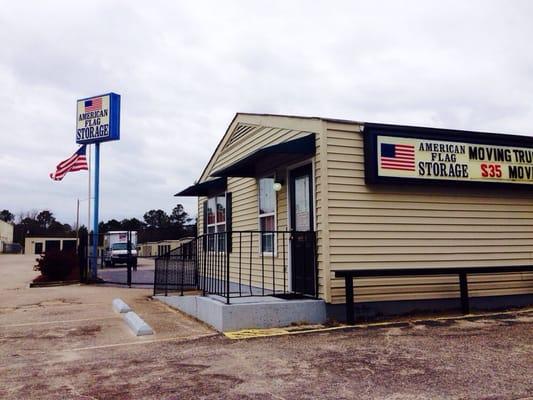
95,209
77,221
88,266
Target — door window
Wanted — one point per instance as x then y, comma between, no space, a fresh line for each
302,206
267,212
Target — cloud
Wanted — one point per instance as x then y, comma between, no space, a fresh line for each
184,68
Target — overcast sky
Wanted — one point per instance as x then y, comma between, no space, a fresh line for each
184,69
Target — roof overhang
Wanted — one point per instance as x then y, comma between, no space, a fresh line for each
207,188
270,157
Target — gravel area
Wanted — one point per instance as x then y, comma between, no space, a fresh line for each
66,343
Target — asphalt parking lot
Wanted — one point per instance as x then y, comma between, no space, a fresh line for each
66,343
140,276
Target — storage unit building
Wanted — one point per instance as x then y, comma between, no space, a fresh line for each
6,235
161,247
362,195
40,245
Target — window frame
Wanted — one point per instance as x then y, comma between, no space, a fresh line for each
216,224
274,214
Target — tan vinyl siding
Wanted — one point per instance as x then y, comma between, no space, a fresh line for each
254,141
268,130
246,218
415,226
200,218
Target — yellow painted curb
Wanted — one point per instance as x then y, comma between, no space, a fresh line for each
254,333
258,333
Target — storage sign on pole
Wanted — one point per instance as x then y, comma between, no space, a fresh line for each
97,120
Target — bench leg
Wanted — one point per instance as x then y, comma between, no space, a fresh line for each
348,282
463,284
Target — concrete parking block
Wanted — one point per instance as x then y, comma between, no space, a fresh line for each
120,306
137,324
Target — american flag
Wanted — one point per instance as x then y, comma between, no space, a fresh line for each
76,162
93,104
398,156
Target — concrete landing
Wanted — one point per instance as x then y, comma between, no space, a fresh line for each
248,312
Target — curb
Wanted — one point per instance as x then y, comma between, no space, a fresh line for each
53,283
271,332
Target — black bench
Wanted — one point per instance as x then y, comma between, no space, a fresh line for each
463,272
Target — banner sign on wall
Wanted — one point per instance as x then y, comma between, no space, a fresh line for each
98,119
422,154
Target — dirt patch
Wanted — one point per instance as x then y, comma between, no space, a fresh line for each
84,331
399,362
53,333
436,323
42,304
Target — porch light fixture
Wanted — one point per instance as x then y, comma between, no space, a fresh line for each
277,186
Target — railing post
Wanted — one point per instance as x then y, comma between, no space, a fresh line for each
204,272
207,262
274,248
166,275
182,269
221,262
262,264
285,288
285,261
128,258
305,261
348,281
155,276
250,272
194,256
463,284
315,262
240,265
227,267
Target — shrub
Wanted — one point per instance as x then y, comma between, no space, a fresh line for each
57,265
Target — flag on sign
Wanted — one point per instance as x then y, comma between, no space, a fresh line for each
93,104
76,162
398,156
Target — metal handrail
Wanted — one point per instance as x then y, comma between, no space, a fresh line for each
232,264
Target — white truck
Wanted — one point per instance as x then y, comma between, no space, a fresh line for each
116,248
